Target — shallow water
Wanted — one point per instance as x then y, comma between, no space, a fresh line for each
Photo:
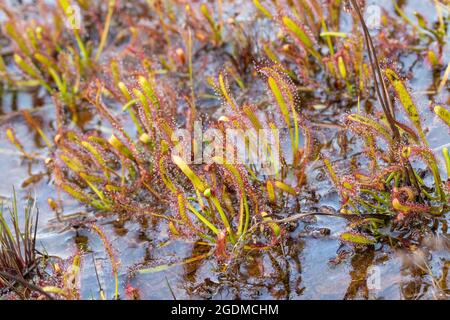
301,270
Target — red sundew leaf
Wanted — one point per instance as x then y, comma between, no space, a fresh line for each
132,293
221,245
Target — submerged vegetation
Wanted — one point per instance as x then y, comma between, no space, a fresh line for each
123,77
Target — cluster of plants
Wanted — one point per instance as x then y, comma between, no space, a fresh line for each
29,273
395,184
18,245
144,91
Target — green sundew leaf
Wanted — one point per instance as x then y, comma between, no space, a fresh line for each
237,78
68,12
119,146
270,54
182,210
271,191
91,178
173,229
203,219
97,155
298,31
157,268
224,218
409,131
280,100
45,61
331,172
101,141
432,58
29,119
196,181
430,159
5,74
100,194
329,43
110,187
115,71
80,196
145,138
73,137
333,34
12,32
65,5
286,188
12,138
145,104
372,124
342,69
400,12
214,27
232,169
25,67
149,91
357,238
375,221
301,36
205,12
243,220
133,114
29,83
223,89
278,86
129,104
406,101
442,113
447,160
444,78
252,117
3,67
244,215
58,81
275,227
123,88
423,24
72,162
54,290
261,8
106,28
421,21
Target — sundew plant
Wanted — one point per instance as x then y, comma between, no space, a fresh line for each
225,139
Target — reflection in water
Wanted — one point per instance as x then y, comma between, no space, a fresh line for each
443,279
271,274
190,270
425,274
361,261
12,100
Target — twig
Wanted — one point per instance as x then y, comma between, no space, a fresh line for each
170,288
